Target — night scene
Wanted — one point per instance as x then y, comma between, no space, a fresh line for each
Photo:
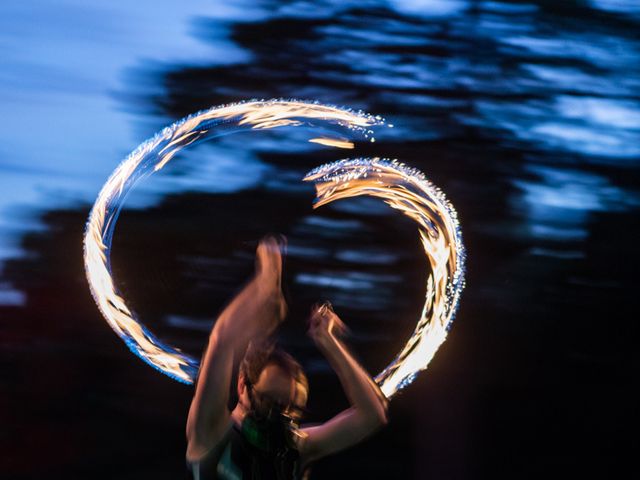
278,240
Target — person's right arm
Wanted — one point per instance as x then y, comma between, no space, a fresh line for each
209,413
245,318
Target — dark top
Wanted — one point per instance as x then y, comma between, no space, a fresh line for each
234,458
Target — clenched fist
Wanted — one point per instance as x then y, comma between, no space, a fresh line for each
324,325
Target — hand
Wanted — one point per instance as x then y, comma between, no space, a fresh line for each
324,325
260,306
269,259
269,253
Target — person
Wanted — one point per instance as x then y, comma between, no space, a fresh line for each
261,437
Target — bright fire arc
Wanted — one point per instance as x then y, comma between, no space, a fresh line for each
402,188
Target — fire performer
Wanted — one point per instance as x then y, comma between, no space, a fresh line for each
261,437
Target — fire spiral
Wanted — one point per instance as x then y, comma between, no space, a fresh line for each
402,188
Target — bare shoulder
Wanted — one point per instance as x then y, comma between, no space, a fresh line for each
301,438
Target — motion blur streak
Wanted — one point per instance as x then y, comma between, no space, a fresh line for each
152,156
408,190
332,142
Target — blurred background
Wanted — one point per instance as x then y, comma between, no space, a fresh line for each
526,114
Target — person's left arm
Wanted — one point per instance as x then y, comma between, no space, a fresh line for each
368,410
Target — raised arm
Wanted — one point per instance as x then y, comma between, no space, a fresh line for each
368,410
253,314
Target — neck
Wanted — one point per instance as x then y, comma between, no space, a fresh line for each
238,414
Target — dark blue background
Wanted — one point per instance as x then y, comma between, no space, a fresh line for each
527,114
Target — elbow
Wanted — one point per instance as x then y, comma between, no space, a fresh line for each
377,413
383,417
376,421
190,431
383,411
379,417
382,408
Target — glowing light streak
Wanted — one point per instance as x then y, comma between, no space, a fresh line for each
152,156
407,190
402,188
333,142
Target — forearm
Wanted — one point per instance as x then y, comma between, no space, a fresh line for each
212,388
368,409
363,393
238,323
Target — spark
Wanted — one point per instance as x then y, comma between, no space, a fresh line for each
402,188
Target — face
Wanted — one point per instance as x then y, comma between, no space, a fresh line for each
275,387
